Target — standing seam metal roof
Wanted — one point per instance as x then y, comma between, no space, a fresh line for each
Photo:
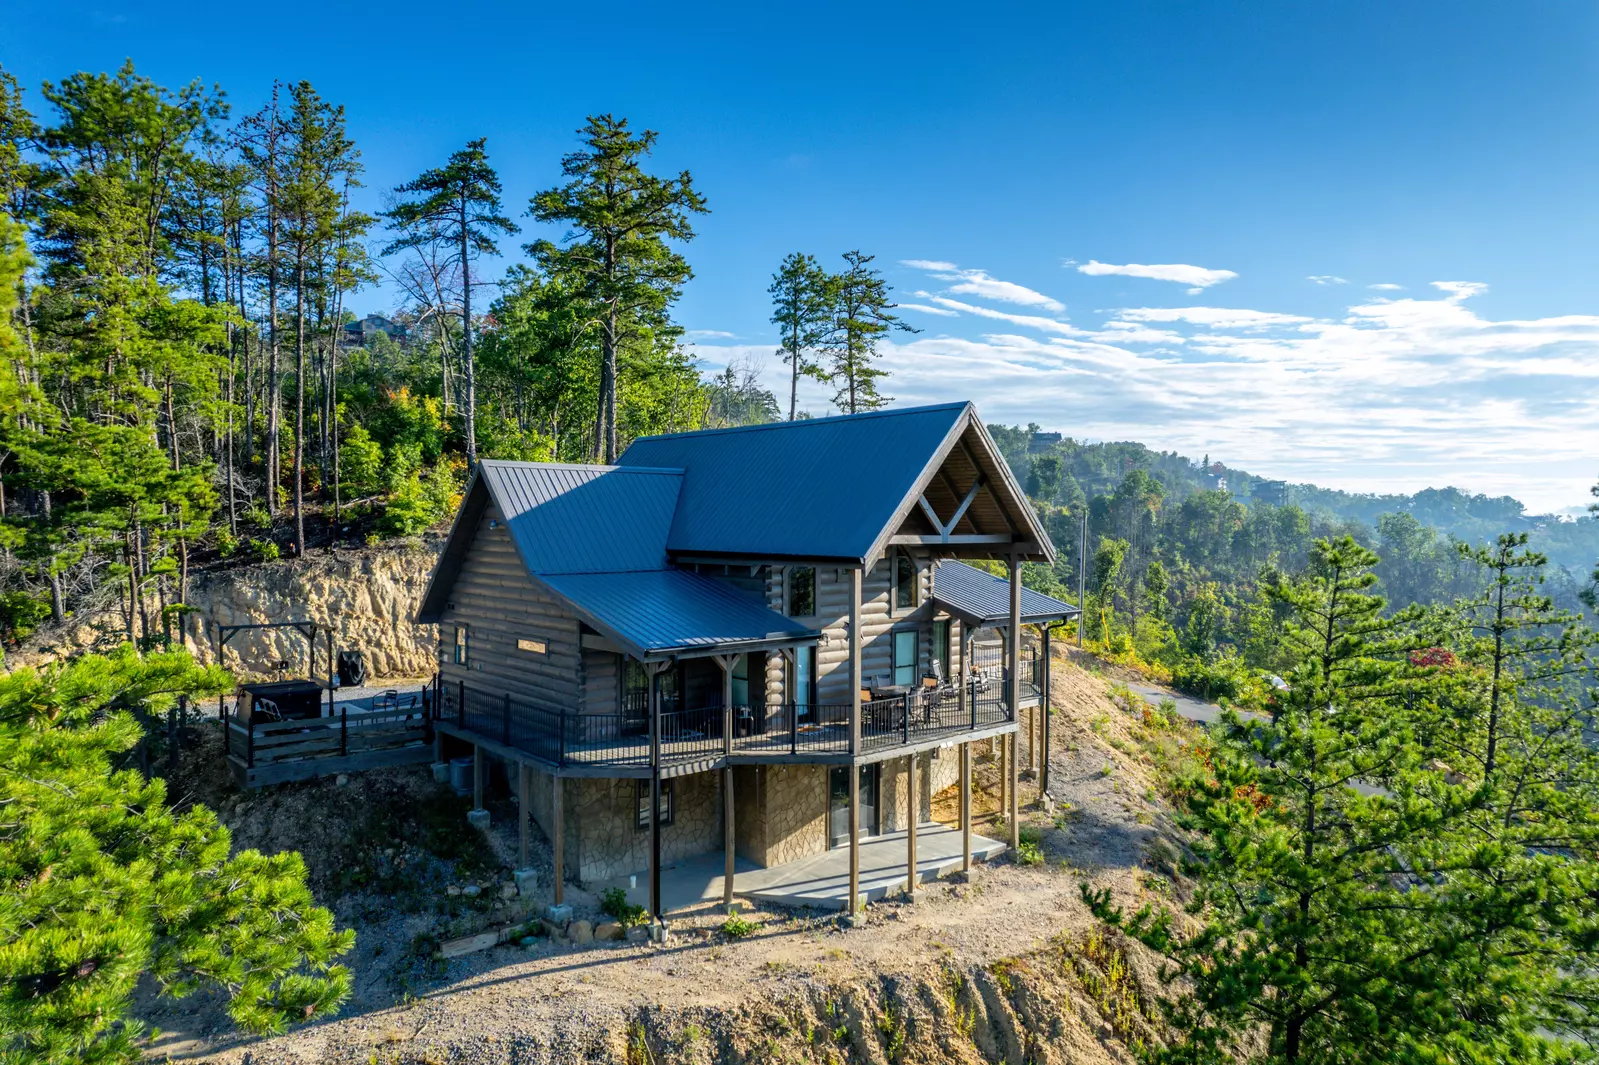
980,596
585,519
818,488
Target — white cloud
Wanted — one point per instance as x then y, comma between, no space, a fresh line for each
1460,290
711,334
923,308
1192,276
978,283
1386,286
1394,394
1327,279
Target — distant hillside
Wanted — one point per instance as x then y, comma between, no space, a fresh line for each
1087,470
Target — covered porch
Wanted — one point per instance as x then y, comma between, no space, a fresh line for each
820,881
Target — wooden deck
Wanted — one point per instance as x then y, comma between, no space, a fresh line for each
275,752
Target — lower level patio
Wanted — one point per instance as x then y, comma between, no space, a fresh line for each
820,881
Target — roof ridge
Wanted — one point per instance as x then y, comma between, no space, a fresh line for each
523,464
800,422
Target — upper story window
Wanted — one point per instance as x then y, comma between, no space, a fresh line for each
904,581
802,591
463,651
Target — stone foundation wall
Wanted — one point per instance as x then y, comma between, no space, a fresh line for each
893,781
780,812
602,822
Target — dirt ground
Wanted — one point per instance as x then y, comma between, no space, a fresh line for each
705,995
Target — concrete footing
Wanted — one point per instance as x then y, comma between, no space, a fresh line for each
526,880
441,772
478,818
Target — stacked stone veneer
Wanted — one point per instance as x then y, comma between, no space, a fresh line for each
780,812
602,837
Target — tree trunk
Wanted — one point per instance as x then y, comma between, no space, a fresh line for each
466,347
274,404
299,401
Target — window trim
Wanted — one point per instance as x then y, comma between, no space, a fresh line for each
915,633
895,607
462,648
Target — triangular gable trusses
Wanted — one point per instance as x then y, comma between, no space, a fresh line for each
967,504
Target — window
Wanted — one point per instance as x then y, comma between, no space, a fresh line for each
462,650
741,681
643,821
537,647
941,648
802,591
804,687
904,581
905,657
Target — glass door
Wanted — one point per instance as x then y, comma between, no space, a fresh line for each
838,803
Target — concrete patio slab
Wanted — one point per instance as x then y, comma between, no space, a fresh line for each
820,881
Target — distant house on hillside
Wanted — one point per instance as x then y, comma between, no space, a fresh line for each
1271,493
359,333
757,641
1042,442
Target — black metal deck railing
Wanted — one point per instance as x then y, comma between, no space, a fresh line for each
565,737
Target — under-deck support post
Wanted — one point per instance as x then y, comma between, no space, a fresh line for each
853,902
477,777
966,805
558,837
1013,643
913,807
654,670
522,814
1043,770
727,837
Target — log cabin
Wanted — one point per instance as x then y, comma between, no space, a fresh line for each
760,640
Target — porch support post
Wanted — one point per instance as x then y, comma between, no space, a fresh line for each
727,837
523,786
853,902
477,777
653,670
558,835
1043,777
913,808
1013,643
966,805
964,710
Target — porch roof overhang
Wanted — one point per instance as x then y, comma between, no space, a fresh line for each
979,598
655,615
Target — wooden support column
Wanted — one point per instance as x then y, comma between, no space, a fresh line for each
558,836
914,807
966,805
727,662
1001,749
477,777
853,902
653,670
524,787
1043,778
1013,644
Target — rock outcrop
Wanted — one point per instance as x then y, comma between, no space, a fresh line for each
368,596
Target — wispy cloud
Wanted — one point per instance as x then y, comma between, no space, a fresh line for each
925,309
1327,279
1460,290
1386,286
1193,276
711,334
978,283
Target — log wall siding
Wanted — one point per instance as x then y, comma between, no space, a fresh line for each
496,600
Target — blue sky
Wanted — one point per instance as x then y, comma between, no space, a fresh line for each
986,154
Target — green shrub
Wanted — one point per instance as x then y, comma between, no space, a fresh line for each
360,462
20,614
264,549
737,927
613,903
227,543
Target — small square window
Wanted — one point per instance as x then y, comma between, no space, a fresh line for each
643,820
802,591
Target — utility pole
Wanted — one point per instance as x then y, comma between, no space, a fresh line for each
1082,580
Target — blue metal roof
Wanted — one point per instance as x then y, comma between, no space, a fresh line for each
817,488
585,519
978,595
673,611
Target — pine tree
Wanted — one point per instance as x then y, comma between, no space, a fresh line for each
617,253
802,309
103,885
860,319
459,207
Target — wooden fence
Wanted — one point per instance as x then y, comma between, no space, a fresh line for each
273,752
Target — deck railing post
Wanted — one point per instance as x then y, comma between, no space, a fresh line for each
460,704
793,728
505,729
560,755
907,722
250,743
344,731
